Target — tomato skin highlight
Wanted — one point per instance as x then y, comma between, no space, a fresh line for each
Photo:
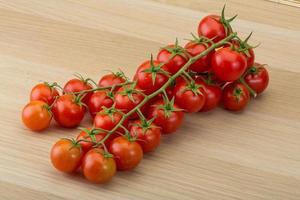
228,65
212,28
97,168
235,96
77,85
149,139
258,79
35,116
65,156
43,92
67,113
127,154
98,100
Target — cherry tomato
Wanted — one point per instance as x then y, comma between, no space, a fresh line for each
150,76
147,134
87,135
189,96
228,65
173,56
257,78
112,79
212,28
78,85
68,111
98,100
36,115
44,92
168,116
98,167
127,154
235,96
203,64
66,155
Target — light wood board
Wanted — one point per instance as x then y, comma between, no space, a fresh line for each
254,154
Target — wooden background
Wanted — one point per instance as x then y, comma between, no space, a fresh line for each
217,155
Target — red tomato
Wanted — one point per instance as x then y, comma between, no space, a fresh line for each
213,94
98,167
36,115
228,65
212,28
189,96
78,85
257,78
44,92
128,98
87,135
127,154
235,96
168,116
250,58
173,56
98,100
147,134
203,64
112,79
145,73
67,111
66,155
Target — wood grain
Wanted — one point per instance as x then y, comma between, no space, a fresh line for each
254,154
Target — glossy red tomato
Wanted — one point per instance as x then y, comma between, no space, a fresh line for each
228,65
87,135
235,96
167,116
36,115
112,79
78,85
66,155
145,73
257,78
98,100
68,112
147,134
128,98
127,154
203,64
44,92
173,56
212,28
98,167
189,96
213,94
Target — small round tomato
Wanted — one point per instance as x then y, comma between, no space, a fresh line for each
78,85
68,111
194,48
173,56
36,115
112,79
168,116
128,154
213,94
257,78
44,92
128,98
90,135
235,96
189,96
212,28
147,134
150,76
98,100
228,65
66,155
98,166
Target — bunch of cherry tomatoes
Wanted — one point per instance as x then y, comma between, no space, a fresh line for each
129,116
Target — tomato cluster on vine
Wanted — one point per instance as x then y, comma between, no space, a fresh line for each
129,117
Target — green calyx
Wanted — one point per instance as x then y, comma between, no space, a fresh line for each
155,69
129,90
176,50
192,86
226,22
168,108
237,93
252,70
201,40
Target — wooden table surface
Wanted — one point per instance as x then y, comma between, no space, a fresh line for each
217,155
